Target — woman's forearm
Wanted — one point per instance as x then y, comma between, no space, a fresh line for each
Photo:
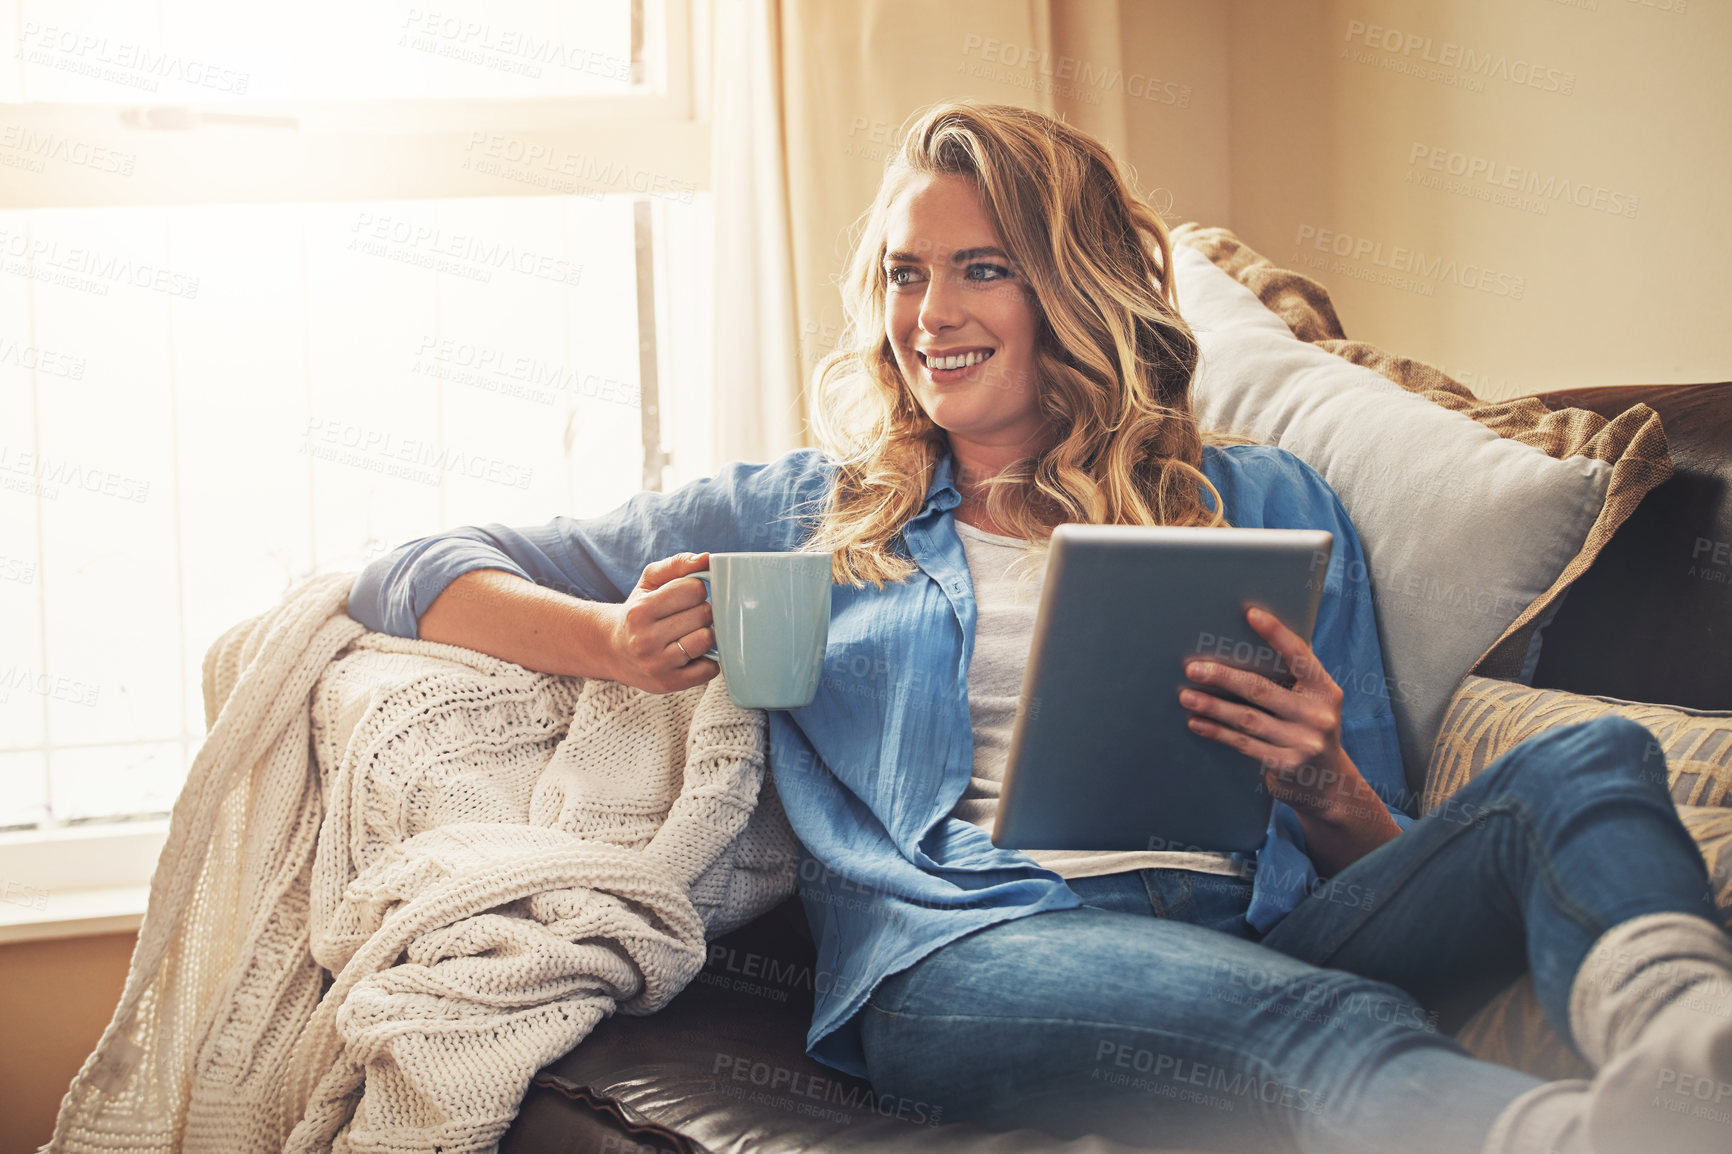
501,614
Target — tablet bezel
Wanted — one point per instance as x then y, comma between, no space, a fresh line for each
1100,756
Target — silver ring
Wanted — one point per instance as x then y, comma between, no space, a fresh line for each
683,650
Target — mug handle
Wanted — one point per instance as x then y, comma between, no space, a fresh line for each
704,575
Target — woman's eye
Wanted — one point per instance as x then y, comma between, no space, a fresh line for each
984,271
901,275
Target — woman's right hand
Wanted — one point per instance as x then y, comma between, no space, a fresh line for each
661,614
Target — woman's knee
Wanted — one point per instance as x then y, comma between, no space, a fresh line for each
1620,743
1575,764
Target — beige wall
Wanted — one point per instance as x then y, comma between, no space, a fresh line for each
55,1000
1631,113
1249,114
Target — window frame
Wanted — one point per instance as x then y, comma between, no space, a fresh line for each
254,151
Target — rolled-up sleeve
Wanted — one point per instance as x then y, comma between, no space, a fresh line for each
743,508
1271,487
1347,644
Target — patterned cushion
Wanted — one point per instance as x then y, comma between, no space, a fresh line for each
1487,718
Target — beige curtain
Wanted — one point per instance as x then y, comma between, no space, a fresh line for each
757,411
1148,77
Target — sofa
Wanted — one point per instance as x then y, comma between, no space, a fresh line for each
1644,630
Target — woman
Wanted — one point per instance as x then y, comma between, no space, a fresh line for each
1014,362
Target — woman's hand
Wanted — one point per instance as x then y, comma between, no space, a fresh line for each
1295,734
659,616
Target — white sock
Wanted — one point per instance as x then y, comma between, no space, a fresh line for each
1548,1119
1639,968
1651,1008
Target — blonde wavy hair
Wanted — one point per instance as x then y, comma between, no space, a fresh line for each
1113,359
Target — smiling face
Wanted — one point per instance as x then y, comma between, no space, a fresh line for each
961,322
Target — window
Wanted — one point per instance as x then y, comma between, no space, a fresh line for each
281,289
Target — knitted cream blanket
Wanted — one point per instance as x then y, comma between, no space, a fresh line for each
401,877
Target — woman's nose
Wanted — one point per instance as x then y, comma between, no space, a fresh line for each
941,307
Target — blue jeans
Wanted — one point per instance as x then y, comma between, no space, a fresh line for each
1180,1030
1553,844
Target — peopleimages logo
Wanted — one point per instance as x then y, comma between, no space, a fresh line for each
68,689
1413,51
45,475
87,269
120,61
40,147
45,361
801,1084
517,375
1500,176
506,49
1411,262
463,254
382,451
1070,77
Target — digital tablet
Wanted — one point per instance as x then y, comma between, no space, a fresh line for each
1101,757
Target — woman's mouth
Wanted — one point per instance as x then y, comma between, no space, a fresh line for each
954,366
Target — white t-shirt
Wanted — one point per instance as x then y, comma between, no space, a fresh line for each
1003,633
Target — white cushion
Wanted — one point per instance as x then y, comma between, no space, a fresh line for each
1461,529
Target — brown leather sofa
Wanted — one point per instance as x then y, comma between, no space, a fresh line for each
722,1068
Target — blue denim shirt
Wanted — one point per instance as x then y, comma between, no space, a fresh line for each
869,771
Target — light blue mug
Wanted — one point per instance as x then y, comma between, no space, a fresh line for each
772,623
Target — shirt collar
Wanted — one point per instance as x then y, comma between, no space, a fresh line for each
942,492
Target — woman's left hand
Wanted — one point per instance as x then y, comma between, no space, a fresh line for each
1295,735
